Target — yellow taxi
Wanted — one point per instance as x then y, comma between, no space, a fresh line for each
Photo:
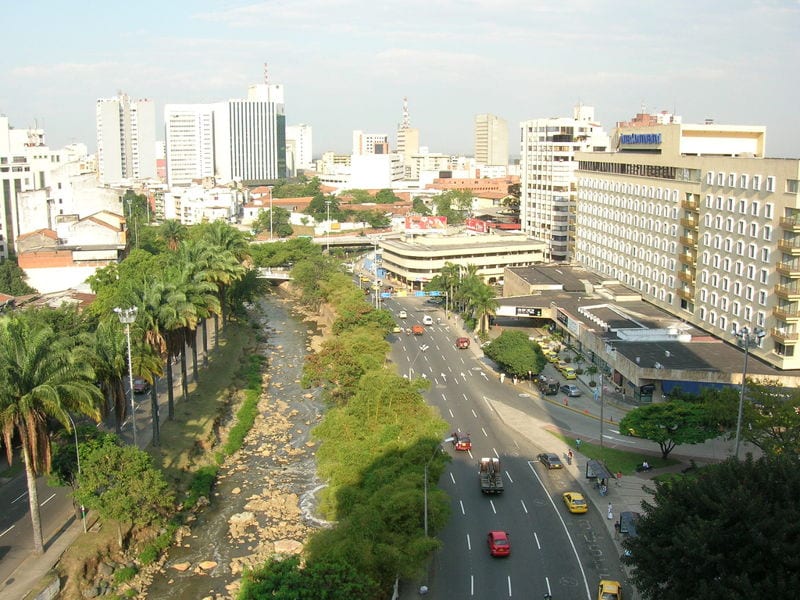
575,502
609,590
569,373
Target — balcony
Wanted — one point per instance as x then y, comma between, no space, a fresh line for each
791,223
686,293
687,259
686,276
787,313
785,337
690,223
688,241
788,292
790,270
790,246
689,204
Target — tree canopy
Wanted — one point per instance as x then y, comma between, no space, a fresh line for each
454,204
732,532
280,225
669,424
516,354
12,279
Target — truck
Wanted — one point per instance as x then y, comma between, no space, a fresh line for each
462,343
417,329
547,386
491,477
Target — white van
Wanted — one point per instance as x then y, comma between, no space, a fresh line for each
427,320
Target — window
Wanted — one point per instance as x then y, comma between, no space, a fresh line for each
765,255
768,211
762,298
743,181
748,313
736,308
731,179
757,183
751,272
748,292
767,232
760,317
729,204
719,203
770,183
737,288
704,276
714,280
754,206
710,177
753,229
729,224
740,248
742,207
720,178
764,276
725,284
709,201
723,323
752,250
703,295
740,227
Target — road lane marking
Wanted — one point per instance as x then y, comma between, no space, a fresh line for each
472,585
461,502
489,406
509,477
509,586
495,452
20,497
444,397
525,508
536,539
474,414
484,376
443,376
547,583
453,479
452,416
484,432
469,544
465,396
48,500
491,503
7,530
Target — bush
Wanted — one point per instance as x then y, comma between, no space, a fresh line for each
154,549
592,383
125,574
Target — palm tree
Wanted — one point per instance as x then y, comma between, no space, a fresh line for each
110,366
479,299
43,375
172,232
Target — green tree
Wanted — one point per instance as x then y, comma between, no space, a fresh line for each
375,218
480,301
173,233
298,188
418,206
358,196
43,376
386,196
669,424
729,533
280,224
121,484
12,279
516,354
454,204
771,418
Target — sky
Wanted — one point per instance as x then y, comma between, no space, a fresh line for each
348,64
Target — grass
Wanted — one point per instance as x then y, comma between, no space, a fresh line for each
617,461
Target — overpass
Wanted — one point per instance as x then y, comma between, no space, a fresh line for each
274,274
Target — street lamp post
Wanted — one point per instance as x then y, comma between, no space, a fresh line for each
126,317
435,450
422,349
78,458
746,339
328,226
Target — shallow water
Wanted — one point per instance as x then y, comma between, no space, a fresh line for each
285,348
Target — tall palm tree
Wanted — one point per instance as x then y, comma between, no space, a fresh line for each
480,301
43,375
173,233
110,365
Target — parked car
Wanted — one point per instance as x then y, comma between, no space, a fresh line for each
569,373
570,390
140,386
550,460
575,502
498,542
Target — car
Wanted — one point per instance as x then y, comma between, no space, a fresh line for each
570,390
462,343
427,320
609,590
402,314
140,386
569,373
550,460
461,440
551,357
575,502
499,543
397,329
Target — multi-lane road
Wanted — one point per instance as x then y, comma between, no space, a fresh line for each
553,551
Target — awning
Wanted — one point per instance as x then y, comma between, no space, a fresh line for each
595,469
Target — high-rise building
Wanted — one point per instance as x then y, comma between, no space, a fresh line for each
302,136
695,219
370,143
126,131
250,136
491,140
189,132
547,176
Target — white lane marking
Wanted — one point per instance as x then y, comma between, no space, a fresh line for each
465,396
484,432
564,526
48,500
489,406
469,544
443,376
449,368
484,376
509,477
461,502
491,503
7,530
536,539
444,397
472,585
452,416
547,582
525,508
464,376
495,452
509,586
470,453
20,497
474,414
453,479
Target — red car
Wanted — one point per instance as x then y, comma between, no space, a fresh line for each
461,441
499,544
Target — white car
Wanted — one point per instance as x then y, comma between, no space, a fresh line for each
402,314
427,320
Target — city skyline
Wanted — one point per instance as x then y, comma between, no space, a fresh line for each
347,65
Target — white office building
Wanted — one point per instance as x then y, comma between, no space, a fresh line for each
370,143
547,178
302,138
189,130
491,140
126,136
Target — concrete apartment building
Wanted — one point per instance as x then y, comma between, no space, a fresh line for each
699,222
548,183
301,139
126,138
369,143
491,140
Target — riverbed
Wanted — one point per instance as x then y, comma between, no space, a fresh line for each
263,501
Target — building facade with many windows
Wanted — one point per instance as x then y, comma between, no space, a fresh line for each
491,140
547,176
126,139
189,132
701,224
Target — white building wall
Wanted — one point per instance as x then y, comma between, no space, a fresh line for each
302,135
189,132
125,138
375,171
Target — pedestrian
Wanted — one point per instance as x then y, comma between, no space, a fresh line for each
619,477
610,511
515,381
569,456
502,377
423,590
578,444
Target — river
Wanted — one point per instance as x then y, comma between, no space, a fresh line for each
266,493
